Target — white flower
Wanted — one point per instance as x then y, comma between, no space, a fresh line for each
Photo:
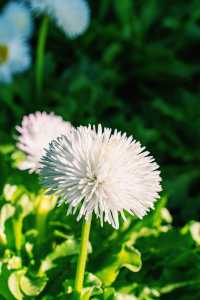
72,17
39,6
19,18
36,131
14,52
103,172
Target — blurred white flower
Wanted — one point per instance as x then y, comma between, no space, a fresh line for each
18,17
73,17
14,52
106,173
36,131
39,6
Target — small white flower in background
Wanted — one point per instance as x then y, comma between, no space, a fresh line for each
18,17
105,173
14,53
36,131
73,17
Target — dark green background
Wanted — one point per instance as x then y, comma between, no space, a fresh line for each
136,69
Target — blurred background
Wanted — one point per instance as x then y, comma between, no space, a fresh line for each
137,69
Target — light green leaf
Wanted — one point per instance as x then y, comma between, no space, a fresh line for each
170,287
4,289
127,257
7,211
120,296
14,284
18,158
67,248
195,231
10,192
87,293
26,205
15,262
6,149
32,287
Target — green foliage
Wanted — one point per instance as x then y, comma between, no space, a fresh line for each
139,65
136,69
144,260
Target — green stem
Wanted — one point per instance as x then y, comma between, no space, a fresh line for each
18,225
40,55
80,271
41,220
44,206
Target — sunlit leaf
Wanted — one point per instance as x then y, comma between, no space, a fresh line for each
32,286
127,257
14,284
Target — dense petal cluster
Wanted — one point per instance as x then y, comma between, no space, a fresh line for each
97,171
36,131
72,17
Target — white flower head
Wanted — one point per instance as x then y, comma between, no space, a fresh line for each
18,16
39,6
36,132
102,173
14,52
73,17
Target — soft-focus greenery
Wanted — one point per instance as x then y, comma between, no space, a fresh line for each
136,69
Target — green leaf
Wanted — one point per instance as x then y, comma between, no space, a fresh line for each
87,293
92,284
32,286
124,10
127,257
6,212
170,287
195,231
26,204
109,294
67,248
14,284
120,296
6,149
4,289
11,192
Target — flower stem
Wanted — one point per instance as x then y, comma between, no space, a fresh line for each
18,225
41,220
40,55
45,204
80,271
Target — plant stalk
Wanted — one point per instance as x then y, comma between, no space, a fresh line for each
39,72
18,225
80,271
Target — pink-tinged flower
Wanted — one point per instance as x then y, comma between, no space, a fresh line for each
97,171
35,133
